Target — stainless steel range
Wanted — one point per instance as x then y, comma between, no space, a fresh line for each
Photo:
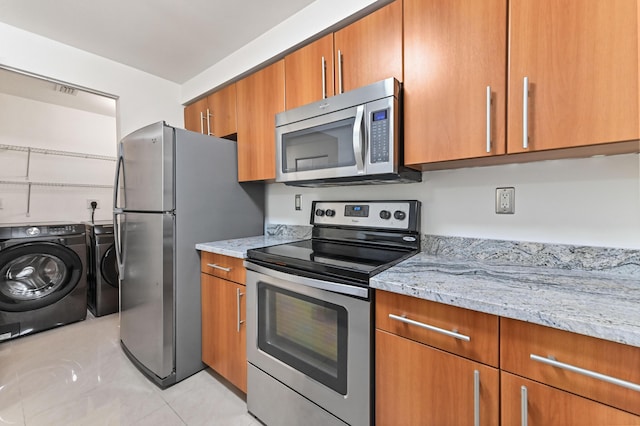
310,313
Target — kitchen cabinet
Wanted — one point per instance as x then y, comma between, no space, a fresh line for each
223,317
532,351
260,96
423,374
362,53
578,57
454,79
546,405
309,73
370,49
215,114
581,61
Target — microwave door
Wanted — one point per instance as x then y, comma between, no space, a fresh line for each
327,146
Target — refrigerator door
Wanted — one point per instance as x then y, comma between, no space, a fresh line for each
147,157
147,297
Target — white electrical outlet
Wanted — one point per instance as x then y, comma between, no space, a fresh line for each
89,201
505,200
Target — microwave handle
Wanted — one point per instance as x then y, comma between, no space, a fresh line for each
358,138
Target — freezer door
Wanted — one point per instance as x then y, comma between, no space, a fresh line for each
148,169
146,290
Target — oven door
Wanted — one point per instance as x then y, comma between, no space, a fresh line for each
315,340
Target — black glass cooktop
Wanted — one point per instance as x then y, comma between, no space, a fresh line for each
331,259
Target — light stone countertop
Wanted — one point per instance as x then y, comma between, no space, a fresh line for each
585,290
593,303
238,247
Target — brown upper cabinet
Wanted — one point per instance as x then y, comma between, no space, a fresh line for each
578,57
581,61
454,79
260,97
214,115
362,53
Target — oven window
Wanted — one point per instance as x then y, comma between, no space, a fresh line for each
322,147
307,334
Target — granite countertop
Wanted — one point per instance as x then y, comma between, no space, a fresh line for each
602,303
585,290
238,247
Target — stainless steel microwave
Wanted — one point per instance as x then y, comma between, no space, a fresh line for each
350,138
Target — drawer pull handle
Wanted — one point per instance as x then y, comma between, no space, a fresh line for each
222,268
588,373
430,327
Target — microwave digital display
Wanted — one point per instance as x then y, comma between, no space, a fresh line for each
380,115
356,210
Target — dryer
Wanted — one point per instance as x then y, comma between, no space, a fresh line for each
103,290
42,277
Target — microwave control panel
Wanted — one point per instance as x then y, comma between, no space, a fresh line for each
379,145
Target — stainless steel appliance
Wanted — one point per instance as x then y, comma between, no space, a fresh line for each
174,188
103,285
310,316
42,277
354,137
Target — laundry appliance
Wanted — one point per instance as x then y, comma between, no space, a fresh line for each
103,288
42,277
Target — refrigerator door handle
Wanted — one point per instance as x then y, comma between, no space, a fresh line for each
116,212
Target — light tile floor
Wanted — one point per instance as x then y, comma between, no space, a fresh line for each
77,374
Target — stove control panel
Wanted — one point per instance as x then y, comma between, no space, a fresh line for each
401,215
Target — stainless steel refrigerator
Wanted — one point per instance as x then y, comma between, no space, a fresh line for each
173,189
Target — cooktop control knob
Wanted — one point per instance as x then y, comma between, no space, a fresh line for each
399,214
330,212
319,212
385,214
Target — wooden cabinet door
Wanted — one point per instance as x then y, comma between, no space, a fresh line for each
454,52
195,116
309,73
549,406
222,104
370,49
260,97
224,346
419,385
581,59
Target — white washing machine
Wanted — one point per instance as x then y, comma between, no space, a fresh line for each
103,290
42,277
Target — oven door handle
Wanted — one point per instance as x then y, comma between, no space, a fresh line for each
347,289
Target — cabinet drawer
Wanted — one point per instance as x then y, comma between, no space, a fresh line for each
476,333
529,351
227,267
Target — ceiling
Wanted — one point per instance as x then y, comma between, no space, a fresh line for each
175,40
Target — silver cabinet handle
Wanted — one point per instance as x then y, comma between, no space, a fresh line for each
488,118
209,115
339,71
588,373
525,113
239,294
524,409
430,327
202,122
222,268
324,78
476,398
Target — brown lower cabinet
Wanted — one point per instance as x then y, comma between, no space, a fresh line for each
224,338
419,385
525,402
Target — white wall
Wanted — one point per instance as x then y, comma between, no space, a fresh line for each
29,123
592,201
142,97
